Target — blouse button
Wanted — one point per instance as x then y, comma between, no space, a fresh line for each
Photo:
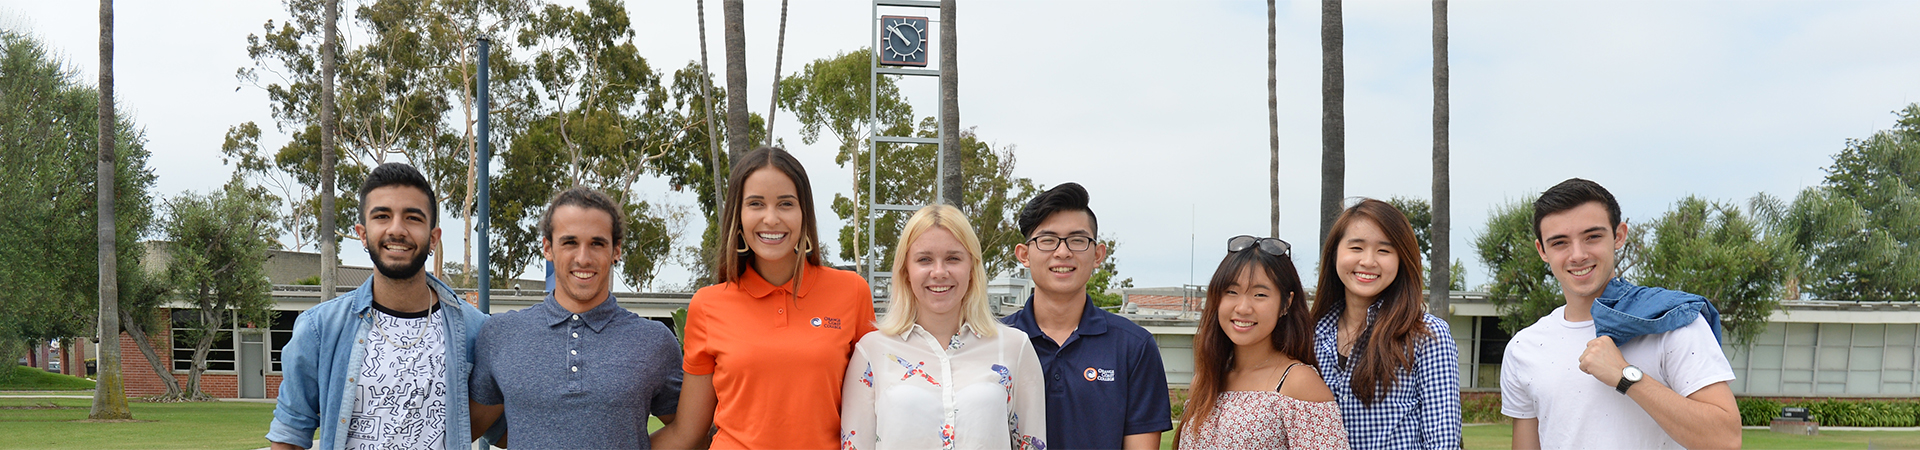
576,352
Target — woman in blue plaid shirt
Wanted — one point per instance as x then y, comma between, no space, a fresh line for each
1393,368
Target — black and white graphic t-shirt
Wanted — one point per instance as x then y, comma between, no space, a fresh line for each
402,398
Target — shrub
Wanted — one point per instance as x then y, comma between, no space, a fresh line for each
1482,409
1758,411
1862,413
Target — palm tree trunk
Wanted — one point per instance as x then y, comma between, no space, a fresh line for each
329,246
1440,232
1273,116
109,393
736,31
951,186
779,51
1333,120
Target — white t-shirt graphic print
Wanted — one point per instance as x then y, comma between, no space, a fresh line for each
402,398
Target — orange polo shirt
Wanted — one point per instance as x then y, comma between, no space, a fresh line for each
777,361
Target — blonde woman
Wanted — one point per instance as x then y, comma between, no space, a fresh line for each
940,372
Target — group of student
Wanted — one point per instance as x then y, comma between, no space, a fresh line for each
786,352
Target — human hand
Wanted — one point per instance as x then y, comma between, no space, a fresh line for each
1602,360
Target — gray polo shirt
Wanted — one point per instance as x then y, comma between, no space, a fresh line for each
585,380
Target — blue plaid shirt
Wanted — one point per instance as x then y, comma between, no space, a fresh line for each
1422,411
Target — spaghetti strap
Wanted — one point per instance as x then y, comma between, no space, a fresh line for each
1283,376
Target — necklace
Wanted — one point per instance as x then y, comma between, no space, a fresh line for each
380,325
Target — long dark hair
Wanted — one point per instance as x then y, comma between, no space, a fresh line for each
1213,351
729,264
1386,345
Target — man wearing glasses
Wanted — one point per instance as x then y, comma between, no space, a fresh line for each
1106,387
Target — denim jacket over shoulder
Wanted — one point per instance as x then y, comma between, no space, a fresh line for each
1625,311
320,363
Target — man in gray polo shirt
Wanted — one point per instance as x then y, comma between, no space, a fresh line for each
577,370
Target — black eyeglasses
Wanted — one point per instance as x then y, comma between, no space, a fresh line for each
1050,243
1271,246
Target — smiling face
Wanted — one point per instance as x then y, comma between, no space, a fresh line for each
1365,261
583,252
939,270
1579,246
1062,273
396,231
770,215
1250,308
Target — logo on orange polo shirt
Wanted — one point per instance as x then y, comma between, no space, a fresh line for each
826,322
1093,374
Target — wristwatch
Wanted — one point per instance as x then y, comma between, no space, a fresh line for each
1628,377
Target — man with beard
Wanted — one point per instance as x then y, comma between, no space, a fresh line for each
384,366
578,370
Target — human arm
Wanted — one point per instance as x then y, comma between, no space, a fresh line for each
1029,390
484,398
1437,364
1707,418
484,417
1526,434
1313,421
1149,410
691,423
858,415
296,409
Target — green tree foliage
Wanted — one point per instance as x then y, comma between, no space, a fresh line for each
218,263
1713,250
1420,216
832,94
1523,287
49,270
1851,237
1106,278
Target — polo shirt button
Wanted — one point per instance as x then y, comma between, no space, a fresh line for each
780,311
576,317
576,335
576,352
576,368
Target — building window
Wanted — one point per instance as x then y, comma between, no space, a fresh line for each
220,356
224,353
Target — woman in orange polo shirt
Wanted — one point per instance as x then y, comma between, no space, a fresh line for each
767,347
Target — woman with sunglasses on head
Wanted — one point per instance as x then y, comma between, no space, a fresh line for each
941,372
766,348
1254,384
1393,368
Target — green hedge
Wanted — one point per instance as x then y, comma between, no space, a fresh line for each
1836,413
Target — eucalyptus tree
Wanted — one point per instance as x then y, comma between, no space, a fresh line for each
1523,287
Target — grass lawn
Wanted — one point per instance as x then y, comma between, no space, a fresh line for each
25,378
1500,436
54,423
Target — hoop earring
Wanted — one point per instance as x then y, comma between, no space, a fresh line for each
806,246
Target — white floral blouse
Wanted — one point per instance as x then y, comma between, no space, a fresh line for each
915,391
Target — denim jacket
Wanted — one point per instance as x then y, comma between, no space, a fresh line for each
1625,311
319,364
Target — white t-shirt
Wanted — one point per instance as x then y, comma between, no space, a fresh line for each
402,398
1540,378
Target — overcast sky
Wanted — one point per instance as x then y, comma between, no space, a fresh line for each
1159,107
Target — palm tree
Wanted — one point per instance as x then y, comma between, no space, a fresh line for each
1333,121
1273,117
950,180
736,30
329,245
1439,232
109,394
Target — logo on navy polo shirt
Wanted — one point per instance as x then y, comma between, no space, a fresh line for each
826,322
1093,374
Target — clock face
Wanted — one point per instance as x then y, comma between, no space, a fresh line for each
903,41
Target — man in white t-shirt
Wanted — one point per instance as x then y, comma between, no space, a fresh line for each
1567,387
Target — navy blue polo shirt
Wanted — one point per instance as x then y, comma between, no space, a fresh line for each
1105,383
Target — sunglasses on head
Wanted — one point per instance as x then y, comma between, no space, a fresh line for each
1271,246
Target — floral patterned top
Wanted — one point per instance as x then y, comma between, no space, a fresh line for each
1267,420
916,391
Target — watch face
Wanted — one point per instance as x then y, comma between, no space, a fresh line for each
1631,373
903,41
